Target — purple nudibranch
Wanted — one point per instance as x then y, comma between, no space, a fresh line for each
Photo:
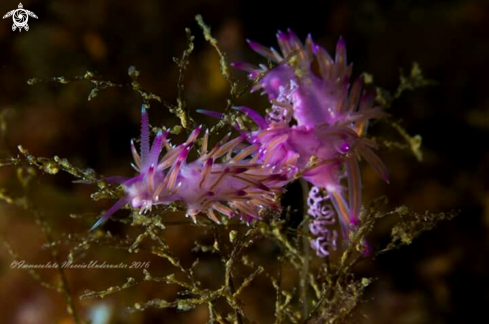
315,129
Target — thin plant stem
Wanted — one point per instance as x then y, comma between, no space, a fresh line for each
306,250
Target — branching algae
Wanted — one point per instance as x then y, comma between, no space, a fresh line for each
314,131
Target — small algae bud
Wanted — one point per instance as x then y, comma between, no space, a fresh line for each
177,129
368,78
184,305
88,75
133,72
62,80
51,167
232,236
366,282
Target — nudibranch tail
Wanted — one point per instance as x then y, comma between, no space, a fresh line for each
118,205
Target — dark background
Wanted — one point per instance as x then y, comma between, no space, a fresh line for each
440,278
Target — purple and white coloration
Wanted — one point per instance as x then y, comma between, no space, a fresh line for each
224,179
323,217
314,129
330,119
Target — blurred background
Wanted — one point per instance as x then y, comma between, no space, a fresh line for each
442,277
